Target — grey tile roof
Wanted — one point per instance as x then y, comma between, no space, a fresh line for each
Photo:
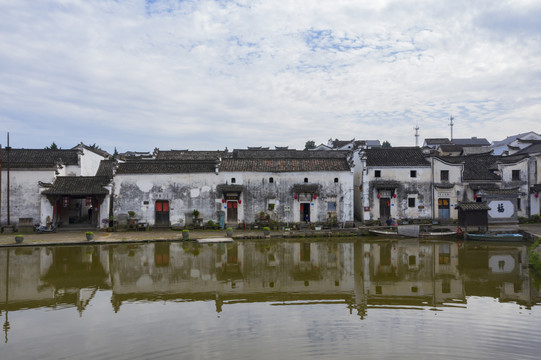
39,158
189,155
481,166
78,185
471,142
106,168
285,165
473,206
98,151
534,148
166,167
396,156
285,161
438,141
287,154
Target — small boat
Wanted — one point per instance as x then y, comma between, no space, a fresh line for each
412,231
214,240
495,237
386,233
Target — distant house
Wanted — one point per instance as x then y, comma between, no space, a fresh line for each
533,151
434,143
514,143
396,182
485,178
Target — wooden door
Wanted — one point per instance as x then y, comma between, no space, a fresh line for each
232,211
384,207
162,213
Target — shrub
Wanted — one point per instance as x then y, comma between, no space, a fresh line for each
89,233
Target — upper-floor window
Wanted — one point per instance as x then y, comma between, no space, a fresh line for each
413,173
444,175
515,175
305,180
271,180
335,180
411,202
233,180
377,173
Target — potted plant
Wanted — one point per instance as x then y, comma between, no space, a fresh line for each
131,214
262,215
266,230
195,214
229,232
19,239
185,234
89,235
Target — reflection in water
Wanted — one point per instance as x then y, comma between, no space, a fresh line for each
364,275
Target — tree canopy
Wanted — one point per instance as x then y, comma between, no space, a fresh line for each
310,144
52,147
386,144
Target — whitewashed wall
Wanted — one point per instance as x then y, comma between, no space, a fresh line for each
25,197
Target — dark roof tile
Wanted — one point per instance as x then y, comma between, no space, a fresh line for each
78,185
166,167
395,156
39,158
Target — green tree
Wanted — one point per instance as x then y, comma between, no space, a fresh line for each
386,144
52,147
310,144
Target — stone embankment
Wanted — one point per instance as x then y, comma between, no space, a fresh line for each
533,232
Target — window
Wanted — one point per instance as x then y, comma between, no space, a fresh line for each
305,180
518,204
331,206
413,173
414,289
233,180
444,175
411,202
335,180
412,260
516,175
378,290
271,180
377,173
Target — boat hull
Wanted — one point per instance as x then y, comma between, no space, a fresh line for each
495,237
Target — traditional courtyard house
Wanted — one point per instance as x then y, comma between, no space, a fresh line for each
170,188
396,182
289,186
34,176
500,182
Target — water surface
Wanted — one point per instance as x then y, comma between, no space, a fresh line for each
270,299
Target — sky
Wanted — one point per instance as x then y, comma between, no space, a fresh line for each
205,75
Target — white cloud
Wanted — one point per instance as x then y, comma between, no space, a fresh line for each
210,74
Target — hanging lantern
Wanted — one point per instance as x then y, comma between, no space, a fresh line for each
536,195
379,196
394,195
315,197
223,200
475,197
295,197
240,201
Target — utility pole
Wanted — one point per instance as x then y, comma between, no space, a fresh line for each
8,149
451,118
416,135
1,161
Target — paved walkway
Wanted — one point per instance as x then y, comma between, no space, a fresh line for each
78,236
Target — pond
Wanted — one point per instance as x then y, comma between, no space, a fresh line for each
302,299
